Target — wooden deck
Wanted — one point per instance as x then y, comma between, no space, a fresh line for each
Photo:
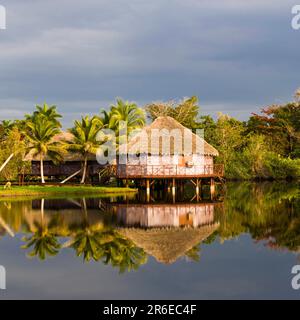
169,171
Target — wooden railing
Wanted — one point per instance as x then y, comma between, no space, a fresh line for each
144,171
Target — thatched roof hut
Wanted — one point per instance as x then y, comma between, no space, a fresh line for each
167,149
166,245
72,161
138,144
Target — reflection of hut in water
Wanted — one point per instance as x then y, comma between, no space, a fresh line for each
167,231
165,215
166,245
71,212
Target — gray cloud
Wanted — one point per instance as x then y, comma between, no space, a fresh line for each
236,56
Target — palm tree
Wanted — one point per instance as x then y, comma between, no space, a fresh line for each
105,118
85,139
7,126
127,112
49,113
40,132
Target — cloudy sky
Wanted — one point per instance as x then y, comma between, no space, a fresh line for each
235,55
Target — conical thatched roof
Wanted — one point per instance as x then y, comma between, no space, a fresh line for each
166,245
154,146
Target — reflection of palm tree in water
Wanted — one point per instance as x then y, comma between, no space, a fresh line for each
101,242
85,237
43,240
121,252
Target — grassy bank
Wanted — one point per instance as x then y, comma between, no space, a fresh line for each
38,191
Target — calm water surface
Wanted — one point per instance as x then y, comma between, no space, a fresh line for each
242,244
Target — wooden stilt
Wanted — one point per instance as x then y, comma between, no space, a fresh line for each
174,189
197,190
168,186
182,187
212,188
148,189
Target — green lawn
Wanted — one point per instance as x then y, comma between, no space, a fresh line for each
61,191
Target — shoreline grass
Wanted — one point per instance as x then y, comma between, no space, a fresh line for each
31,191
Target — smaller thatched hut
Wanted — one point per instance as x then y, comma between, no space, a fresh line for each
72,163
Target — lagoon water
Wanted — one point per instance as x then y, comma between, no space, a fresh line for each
243,244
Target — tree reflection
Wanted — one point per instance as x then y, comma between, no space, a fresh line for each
102,242
121,252
270,212
44,240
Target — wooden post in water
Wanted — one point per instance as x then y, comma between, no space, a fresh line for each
182,188
168,185
212,188
198,189
174,190
148,190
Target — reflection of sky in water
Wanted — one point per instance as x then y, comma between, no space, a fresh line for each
236,269
240,267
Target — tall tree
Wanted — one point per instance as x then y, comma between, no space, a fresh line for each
12,151
185,112
127,112
281,126
86,139
49,113
39,133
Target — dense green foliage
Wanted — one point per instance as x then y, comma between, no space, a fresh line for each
268,211
267,146
264,147
12,143
185,112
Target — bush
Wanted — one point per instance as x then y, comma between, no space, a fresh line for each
281,168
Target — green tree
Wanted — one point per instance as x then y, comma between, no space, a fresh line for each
49,113
230,142
280,124
125,113
86,139
208,125
185,112
12,151
39,133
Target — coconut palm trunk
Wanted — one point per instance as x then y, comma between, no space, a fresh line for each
6,162
84,170
42,169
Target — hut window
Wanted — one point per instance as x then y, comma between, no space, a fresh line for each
189,164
